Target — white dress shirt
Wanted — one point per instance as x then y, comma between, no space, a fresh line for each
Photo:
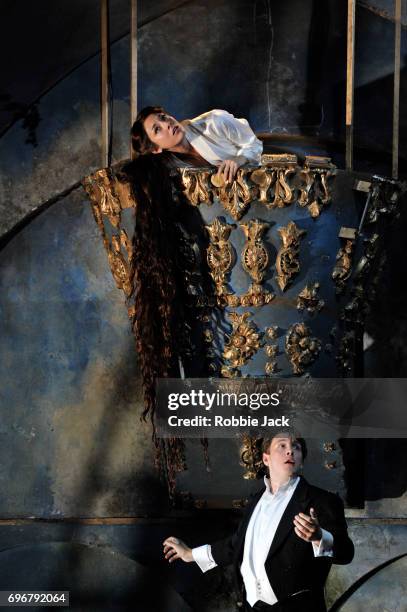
218,135
260,533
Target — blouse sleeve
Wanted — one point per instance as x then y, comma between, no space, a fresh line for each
239,132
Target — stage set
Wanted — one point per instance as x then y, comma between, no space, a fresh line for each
294,271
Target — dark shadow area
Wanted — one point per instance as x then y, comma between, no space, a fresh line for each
98,580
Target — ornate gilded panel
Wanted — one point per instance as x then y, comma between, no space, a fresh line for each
301,347
196,187
254,255
308,299
243,342
110,195
234,197
287,263
220,254
315,193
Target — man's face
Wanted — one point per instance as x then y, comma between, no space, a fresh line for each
164,131
284,457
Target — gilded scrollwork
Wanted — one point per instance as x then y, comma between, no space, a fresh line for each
315,193
109,197
196,187
262,177
270,367
256,295
220,255
251,456
254,255
271,350
283,193
308,299
287,262
272,332
274,180
100,187
235,196
343,265
244,341
302,349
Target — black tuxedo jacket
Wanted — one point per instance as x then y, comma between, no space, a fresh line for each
291,565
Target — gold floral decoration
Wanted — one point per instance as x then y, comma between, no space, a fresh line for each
196,187
287,263
243,343
302,349
308,299
220,254
254,255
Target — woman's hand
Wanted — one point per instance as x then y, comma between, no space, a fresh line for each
177,549
229,167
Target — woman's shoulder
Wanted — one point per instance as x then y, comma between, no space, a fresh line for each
211,118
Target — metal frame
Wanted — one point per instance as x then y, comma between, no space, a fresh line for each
104,80
350,72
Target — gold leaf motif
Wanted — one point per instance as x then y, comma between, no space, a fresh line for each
287,264
228,372
301,348
119,267
195,185
235,197
271,331
343,266
220,255
283,194
208,336
108,198
254,255
271,350
270,367
243,343
308,299
263,179
315,193
256,296
250,456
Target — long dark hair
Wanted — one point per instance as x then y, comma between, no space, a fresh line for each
157,293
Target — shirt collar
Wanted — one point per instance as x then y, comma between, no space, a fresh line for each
284,488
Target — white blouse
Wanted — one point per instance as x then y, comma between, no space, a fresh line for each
217,135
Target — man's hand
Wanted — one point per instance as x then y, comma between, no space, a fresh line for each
177,549
307,527
229,167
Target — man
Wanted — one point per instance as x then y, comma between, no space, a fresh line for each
289,537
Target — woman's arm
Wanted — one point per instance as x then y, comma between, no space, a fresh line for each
238,132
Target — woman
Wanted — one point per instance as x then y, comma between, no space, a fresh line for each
162,314
215,138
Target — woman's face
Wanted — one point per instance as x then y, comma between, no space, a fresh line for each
164,131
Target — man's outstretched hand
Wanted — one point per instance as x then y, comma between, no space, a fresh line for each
177,549
307,527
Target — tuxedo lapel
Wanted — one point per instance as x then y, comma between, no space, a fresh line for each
298,503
